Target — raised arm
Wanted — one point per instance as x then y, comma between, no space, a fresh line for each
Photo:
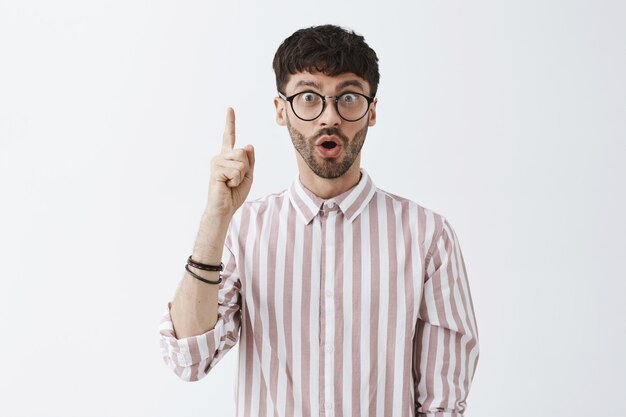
195,307
202,323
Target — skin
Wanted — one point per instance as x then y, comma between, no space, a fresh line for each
311,165
194,308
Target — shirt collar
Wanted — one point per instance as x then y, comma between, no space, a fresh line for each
351,202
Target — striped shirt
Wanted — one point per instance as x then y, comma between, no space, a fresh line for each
357,305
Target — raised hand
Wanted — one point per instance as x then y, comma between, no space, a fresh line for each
231,173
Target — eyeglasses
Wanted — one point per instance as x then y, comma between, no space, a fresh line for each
309,105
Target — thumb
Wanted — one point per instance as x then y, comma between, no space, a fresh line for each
251,158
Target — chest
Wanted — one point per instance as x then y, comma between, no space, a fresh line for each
332,269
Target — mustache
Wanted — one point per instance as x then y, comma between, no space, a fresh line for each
330,131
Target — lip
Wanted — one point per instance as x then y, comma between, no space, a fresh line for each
327,138
328,153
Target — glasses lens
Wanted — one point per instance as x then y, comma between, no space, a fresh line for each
307,105
352,106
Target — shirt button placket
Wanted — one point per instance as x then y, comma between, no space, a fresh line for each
328,332
327,215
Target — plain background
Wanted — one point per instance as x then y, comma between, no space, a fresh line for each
509,118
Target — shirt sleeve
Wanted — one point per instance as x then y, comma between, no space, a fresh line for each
446,340
192,358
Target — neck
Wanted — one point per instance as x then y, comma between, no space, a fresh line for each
327,188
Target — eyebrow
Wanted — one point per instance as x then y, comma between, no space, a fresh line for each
353,83
307,83
340,86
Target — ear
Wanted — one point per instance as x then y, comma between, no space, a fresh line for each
281,116
371,118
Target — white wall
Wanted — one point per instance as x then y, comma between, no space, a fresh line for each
110,111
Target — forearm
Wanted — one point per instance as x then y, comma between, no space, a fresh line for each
194,308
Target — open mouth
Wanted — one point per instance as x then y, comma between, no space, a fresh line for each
329,146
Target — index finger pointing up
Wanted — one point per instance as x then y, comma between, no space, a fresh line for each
228,140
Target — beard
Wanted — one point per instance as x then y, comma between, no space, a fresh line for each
328,168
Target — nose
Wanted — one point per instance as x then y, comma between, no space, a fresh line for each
330,116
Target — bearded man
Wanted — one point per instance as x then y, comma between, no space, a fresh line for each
345,300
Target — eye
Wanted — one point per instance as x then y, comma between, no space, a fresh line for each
349,98
308,97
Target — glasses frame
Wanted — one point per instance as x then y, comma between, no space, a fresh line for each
289,99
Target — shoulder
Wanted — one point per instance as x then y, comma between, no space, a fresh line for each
429,224
405,204
267,201
260,206
250,215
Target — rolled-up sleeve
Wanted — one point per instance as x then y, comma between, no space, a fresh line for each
446,340
192,358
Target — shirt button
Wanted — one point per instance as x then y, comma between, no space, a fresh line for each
329,406
329,293
330,204
329,348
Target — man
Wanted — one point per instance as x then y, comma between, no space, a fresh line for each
346,300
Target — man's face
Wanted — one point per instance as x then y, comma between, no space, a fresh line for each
329,145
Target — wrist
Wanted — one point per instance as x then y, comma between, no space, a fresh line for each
216,216
211,237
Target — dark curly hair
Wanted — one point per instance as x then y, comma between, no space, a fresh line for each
328,49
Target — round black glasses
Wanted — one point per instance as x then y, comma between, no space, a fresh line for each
309,105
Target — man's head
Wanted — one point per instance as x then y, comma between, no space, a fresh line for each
329,50
327,78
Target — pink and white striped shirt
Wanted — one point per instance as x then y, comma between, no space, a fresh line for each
354,306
